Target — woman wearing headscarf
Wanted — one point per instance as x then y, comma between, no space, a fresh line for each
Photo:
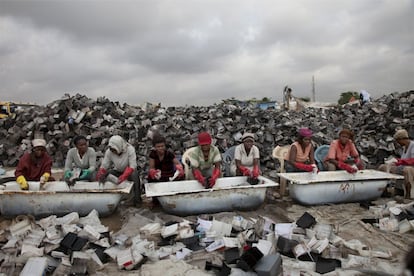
343,154
247,157
81,157
301,153
34,166
204,161
120,160
162,162
405,164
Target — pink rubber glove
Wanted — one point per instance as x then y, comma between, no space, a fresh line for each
100,176
214,176
358,163
124,176
255,172
304,167
180,169
245,171
405,162
199,176
153,174
346,167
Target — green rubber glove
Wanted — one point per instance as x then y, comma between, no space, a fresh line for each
68,175
85,174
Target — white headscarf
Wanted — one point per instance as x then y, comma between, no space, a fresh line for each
118,143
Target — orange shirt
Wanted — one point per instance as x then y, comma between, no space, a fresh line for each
339,152
301,156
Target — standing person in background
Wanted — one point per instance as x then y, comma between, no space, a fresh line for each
81,157
34,166
287,94
120,160
405,164
205,160
301,153
162,162
343,154
364,97
247,157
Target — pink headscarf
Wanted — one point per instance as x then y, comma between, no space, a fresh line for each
305,132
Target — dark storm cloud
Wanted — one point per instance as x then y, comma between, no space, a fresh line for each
157,51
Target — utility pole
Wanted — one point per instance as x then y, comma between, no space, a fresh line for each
313,88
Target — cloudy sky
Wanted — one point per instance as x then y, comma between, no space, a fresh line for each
199,52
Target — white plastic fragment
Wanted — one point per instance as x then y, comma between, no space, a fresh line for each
20,228
215,245
169,230
32,251
35,266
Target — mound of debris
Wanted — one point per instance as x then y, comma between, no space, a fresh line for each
151,243
60,121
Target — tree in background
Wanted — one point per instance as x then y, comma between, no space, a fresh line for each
347,96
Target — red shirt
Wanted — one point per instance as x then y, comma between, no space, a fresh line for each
33,168
339,152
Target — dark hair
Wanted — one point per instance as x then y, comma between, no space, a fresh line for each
347,132
78,138
157,139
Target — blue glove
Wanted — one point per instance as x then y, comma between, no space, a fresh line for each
85,174
68,174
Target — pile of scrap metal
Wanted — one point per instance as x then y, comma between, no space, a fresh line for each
60,121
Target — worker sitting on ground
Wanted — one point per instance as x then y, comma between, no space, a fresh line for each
120,160
405,164
204,161
163,165
301,153
34,166
343,154
80,161
247,157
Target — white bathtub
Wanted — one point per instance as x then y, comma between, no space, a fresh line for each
58,198
189,197
337,186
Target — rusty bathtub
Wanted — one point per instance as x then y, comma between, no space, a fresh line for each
58,198
337,186
189,197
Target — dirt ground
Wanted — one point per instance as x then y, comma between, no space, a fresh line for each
345,219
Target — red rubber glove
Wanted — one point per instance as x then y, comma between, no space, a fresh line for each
199,176
180,169
255,172
358,163
245,171
405,162
303,167
100,176
214,176
152,174
346,167
124,176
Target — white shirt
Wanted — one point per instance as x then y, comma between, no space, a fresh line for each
366,97
246,159
409,152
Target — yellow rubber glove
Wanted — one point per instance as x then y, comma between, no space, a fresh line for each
22,182
44,178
